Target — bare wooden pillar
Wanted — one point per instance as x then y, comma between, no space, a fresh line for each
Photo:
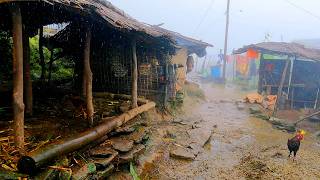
28,97
87,75
42,61
18,106
134,90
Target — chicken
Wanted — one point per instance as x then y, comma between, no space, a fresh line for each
294,143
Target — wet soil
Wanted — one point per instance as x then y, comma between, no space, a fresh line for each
241,146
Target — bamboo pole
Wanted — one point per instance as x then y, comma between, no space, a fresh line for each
18,105
134,90
30,163
88,77
28,96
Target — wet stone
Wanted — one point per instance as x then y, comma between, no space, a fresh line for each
129,156
121,144
200,135
182,153
105,173
139,135
102,157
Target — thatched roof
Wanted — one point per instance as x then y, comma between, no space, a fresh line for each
193,45
111,14
282,48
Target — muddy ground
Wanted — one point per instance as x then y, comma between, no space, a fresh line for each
241,146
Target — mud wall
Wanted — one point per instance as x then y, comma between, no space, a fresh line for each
181,73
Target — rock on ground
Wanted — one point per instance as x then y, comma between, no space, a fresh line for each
182,153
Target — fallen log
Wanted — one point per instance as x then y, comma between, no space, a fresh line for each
306,117
31,162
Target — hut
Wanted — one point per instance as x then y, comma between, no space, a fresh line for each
109,51
100,31
288,70
161,72
182,61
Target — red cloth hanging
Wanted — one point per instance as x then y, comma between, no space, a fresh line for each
252,54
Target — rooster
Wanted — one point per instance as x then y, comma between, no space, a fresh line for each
294,143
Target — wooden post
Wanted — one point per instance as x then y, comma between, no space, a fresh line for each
18,106
290,73
226,43
84,84
261,76
283,78
28,96
50,65
88,76
42,61
134,90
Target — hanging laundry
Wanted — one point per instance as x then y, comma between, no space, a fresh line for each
230,59
242,65
252,54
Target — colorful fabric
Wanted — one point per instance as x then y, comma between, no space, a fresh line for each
242,65
252,54
230,59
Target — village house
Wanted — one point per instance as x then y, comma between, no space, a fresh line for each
289,70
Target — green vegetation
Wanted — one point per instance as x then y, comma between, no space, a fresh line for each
62,66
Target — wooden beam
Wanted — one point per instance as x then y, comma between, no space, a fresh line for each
88,76
134,90
18,105
28,96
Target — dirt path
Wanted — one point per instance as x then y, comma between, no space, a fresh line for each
241,147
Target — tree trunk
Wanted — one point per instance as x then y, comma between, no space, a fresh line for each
134,89
88,77
42,61
18,106
28,96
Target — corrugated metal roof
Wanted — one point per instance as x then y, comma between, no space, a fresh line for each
282,48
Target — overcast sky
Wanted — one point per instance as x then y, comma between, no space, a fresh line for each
250,20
